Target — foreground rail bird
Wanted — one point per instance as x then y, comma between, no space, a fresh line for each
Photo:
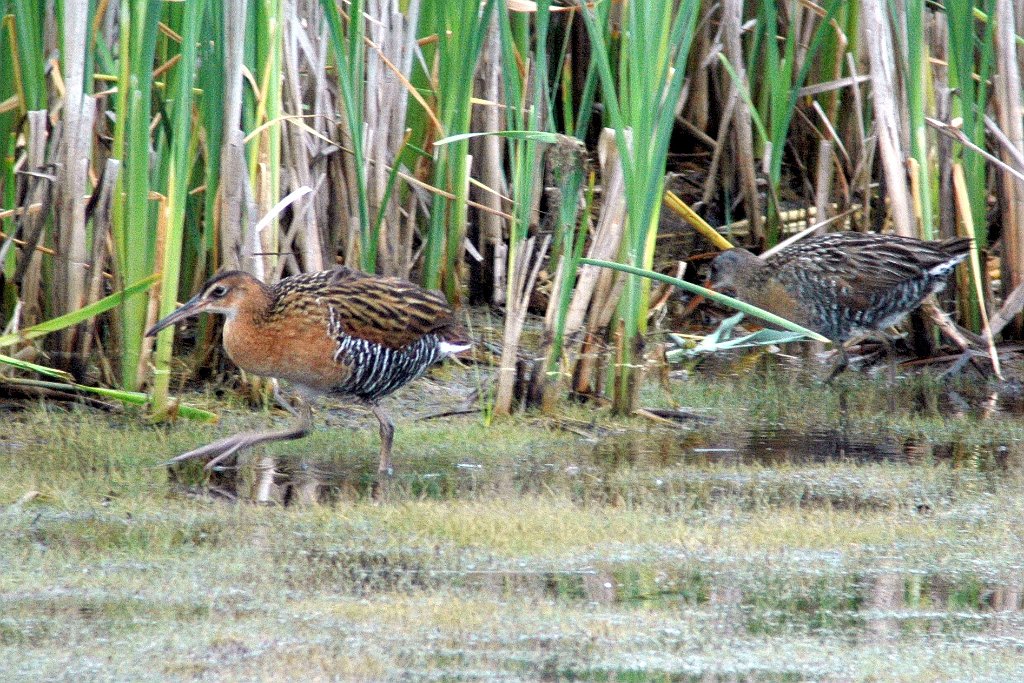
841,284
337,332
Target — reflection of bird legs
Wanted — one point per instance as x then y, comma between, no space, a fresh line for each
223,448
844,360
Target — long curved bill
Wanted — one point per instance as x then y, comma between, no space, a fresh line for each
193,306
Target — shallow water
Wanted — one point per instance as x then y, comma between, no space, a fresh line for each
766,456
878,605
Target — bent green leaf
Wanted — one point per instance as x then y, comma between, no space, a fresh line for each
709,294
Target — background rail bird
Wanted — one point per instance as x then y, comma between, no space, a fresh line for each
841,284
337,332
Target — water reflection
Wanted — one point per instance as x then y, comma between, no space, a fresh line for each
867,604
874,605
620,468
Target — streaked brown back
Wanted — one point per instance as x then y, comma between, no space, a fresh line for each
383,310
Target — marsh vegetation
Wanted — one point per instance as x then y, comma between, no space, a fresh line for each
494,150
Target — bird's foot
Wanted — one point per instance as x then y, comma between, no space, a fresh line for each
224,448
219,450
282,401
379,489
382,483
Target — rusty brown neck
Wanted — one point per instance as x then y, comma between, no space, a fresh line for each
255,306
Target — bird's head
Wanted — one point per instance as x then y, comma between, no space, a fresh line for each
730,269
226,294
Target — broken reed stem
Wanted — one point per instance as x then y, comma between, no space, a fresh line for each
823,182
524,275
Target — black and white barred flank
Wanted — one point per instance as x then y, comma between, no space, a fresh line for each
378,370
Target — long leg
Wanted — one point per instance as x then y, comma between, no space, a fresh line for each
890,352
844,362
223,448
282,401
890,393
387,436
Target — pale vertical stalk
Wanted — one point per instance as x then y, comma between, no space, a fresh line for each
1009,116
77,124
392,36
232,162
593,284
298,149
607,234
878,42
732,19
33,225
349,52
490,161
823,182
521,280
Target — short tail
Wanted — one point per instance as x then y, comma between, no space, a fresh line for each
449,349
957,247
455,340
951,252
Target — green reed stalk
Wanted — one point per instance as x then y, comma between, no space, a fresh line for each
524,100
8,146
969,55
180,94
132,218
29,69
21,74
349,53
211,114
573,235
266,148
461,26
833,57
779,93
916,86
655,45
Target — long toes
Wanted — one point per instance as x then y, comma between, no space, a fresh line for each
220,458
218,450
379,490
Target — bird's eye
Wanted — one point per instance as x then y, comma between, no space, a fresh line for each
218,291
